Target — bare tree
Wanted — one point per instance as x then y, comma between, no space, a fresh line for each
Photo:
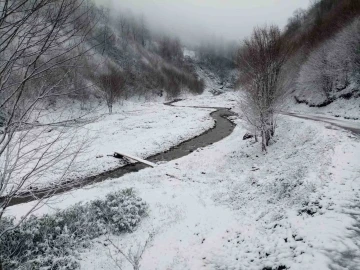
111,84
260,60
39,45
295,22
170,49
131,256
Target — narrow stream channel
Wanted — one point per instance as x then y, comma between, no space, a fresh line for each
223,128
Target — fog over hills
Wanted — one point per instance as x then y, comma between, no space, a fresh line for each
194,21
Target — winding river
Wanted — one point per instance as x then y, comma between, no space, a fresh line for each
223,127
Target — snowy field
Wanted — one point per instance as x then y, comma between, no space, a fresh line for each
228,206
139,129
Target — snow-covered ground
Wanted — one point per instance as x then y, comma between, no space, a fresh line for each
229,99
340,108
229,206
353,126
139,129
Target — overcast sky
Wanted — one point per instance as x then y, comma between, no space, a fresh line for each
194,20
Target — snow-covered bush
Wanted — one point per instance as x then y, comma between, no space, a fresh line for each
51,241
315,79
119,213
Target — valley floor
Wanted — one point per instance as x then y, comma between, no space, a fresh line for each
135,128
229,206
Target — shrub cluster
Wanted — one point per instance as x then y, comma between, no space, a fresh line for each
51,241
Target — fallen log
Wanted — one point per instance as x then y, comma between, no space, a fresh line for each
127,156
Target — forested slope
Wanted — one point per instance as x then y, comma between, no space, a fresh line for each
326,51
59,50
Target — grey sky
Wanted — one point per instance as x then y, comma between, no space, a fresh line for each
194,20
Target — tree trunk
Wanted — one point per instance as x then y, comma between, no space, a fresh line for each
267,133
272,128
263,141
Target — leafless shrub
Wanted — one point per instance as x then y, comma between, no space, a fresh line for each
112,85
131,256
